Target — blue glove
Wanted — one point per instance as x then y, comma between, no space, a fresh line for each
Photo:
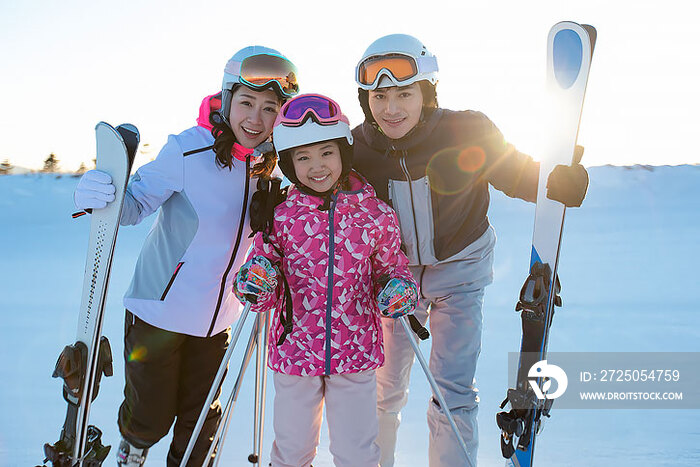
398,298
256,277
94,190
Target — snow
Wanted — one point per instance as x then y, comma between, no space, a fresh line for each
629,283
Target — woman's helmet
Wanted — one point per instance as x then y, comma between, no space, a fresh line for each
258,68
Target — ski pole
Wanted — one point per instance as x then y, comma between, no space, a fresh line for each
434,386
222,430
260,388
215,385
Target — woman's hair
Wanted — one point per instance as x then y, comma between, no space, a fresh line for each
224,140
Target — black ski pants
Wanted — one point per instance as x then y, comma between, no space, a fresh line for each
168,377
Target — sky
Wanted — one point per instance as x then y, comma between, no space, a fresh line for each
66,66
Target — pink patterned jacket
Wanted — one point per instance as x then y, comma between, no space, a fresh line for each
336,322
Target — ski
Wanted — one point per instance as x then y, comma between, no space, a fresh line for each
569,53
82,364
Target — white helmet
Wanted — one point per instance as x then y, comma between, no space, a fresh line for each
309,119
395,60
259,68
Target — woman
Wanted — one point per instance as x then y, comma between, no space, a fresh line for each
180,305
434,167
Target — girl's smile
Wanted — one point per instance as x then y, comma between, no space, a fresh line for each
318,166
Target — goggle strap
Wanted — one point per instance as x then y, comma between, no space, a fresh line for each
233,68
427,64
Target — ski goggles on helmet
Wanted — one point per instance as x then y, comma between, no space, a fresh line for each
309,119
262,70
401,69
321,109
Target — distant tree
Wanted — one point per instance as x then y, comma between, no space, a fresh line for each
82,169
5,167
50,164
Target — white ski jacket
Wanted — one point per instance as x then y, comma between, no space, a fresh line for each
184,275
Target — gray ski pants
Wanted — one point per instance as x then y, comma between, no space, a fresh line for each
452,296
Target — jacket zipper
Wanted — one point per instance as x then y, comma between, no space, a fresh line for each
172,279
222,289
402,162
329,302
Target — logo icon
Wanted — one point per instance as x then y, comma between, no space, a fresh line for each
548,373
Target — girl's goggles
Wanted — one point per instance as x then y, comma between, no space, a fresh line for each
259,71
323,110
399,67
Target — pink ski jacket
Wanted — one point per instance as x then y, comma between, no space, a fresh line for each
336,322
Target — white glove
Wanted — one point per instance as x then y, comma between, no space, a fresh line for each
94,190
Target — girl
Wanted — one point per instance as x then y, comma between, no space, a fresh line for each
435,167
334,253
179,304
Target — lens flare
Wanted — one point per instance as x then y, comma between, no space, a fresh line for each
471,159
138,353
451,170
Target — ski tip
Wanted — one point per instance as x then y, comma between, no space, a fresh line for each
131,128
590,30
103,124
130,135
592,35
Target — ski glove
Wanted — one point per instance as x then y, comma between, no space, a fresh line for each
256,277
568,183
398,298
94,190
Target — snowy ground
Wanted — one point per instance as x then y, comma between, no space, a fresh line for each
629,278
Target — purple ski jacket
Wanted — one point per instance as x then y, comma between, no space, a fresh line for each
336,322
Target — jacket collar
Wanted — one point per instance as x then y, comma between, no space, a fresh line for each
359,191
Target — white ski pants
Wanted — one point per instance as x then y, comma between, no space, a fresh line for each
452,295
351,414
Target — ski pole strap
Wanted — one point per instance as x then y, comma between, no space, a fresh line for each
418,328
286,315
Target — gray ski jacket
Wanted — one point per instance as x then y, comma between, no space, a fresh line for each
436,178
